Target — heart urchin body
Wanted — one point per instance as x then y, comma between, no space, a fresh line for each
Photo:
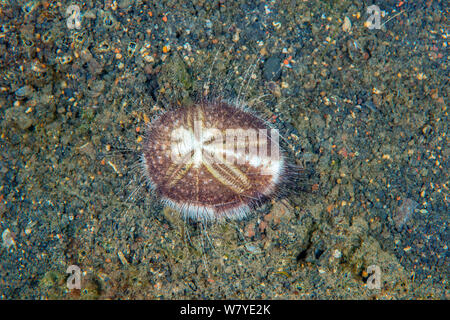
213,160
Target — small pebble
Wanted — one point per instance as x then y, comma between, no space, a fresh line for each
24,92
347,25
252,249
122,258
29,227
337,254
272,69
236,37
8,239
403,213
24,121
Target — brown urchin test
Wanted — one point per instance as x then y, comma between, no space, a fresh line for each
212,160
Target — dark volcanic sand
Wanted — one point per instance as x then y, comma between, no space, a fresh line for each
364,110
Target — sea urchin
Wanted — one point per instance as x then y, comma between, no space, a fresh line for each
212,160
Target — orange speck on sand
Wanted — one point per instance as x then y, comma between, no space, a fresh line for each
138,129
164,18
330,208
286,61
150,14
